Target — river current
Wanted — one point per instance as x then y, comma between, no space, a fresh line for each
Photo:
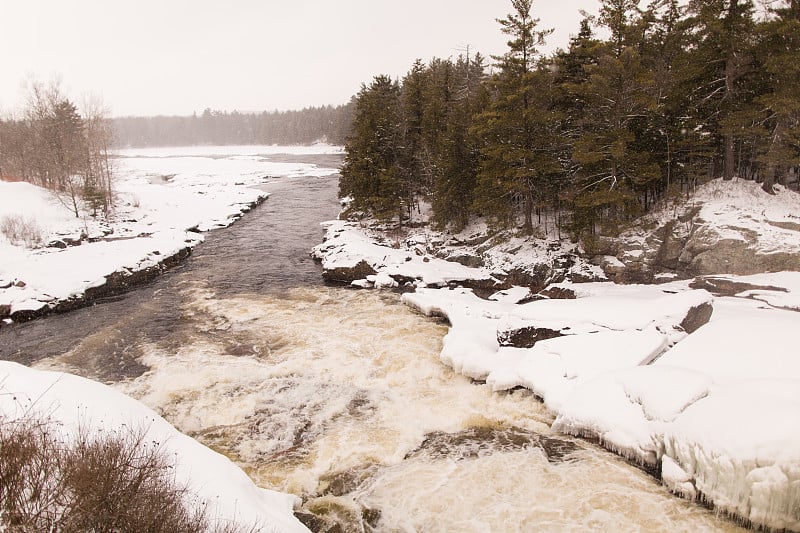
338,395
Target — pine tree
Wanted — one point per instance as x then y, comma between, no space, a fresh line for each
457,159
778,119
724,31
615,165
515,158
370,173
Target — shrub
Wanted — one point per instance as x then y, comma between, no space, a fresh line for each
21,230
115,481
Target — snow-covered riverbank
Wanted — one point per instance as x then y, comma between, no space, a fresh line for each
166,199
702,388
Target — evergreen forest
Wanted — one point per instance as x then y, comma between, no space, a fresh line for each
673,94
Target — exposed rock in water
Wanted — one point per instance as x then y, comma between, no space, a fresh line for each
345,481
477,441
348,274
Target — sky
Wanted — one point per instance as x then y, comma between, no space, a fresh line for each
176,57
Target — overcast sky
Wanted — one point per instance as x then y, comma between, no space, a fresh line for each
149,57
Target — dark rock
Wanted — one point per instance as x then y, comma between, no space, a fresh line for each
671,247
600,245
696,317
476,441
5,311
557,450
536,278
525,336
344,482
466,259
348,274
727,287
20,284
559,293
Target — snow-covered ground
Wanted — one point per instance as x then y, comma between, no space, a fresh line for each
715,411
165,199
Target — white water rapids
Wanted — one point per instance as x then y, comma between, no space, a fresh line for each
338,396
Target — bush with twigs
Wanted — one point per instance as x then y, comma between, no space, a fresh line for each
92,481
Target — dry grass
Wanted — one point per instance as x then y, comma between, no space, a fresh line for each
21,230
116,481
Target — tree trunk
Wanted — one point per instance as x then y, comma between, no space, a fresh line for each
730,159
528,227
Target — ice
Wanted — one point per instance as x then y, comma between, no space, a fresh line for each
627,409
755,346
740,447
74,402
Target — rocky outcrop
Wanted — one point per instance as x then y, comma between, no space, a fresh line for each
728,287
348,274
525,336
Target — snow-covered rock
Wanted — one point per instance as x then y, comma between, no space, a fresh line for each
725,227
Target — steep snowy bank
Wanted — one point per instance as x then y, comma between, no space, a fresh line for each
164,202
75,404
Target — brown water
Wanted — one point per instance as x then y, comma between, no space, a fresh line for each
338,395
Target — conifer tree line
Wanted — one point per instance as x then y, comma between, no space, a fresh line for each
674,94
306,126
55,145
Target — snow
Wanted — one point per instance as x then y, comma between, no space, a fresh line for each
73,402
165,198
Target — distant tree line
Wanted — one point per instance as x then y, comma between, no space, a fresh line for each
55,145
309,125
588,137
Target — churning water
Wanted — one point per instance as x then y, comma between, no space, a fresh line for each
338,395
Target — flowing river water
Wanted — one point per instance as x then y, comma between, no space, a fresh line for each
338,395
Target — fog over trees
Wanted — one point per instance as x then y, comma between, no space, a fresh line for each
306,126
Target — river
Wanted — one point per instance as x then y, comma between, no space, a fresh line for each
338,395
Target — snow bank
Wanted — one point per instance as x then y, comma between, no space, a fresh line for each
346,247
165,197
740,448
76,402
